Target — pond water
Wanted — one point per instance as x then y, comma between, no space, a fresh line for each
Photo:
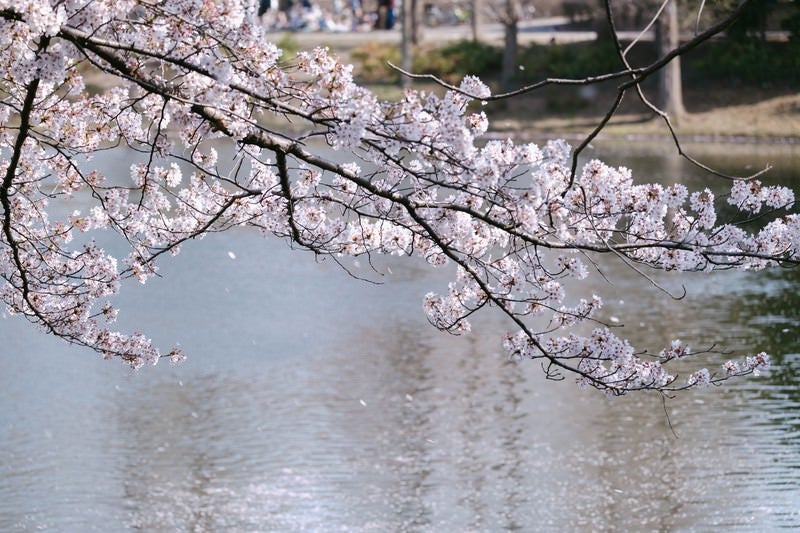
316,402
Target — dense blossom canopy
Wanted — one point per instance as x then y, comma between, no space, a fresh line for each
519,227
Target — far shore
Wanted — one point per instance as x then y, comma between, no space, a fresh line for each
771,119
742,115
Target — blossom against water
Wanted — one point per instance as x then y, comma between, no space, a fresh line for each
192,81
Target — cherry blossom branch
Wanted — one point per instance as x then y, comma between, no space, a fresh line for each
5,193
517,222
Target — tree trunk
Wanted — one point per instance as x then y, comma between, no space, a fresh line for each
417,17
406,46
511,31
476,19
670,92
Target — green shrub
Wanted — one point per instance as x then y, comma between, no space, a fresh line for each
746,61
450,62
371,61
457,59
577,60
289,45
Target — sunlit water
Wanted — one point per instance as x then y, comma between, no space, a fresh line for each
316,402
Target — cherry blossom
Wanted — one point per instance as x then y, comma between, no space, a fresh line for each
517,225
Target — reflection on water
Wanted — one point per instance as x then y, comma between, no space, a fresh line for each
314,402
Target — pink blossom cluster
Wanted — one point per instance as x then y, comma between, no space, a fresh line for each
190,75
